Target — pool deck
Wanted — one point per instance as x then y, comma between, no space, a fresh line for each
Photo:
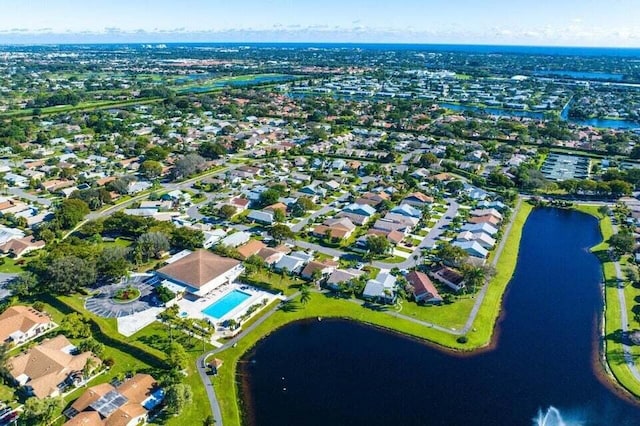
194,308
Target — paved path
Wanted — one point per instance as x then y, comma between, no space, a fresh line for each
24,194
201,362
628,356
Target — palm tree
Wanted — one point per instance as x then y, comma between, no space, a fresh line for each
305,294
474,276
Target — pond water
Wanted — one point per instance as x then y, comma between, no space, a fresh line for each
337,372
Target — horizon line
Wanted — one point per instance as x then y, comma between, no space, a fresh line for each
353,43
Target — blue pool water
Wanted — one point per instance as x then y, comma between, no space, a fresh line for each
154,400
223,306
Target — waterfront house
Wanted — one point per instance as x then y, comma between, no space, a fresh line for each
381,288
341,276
325,267
422,288
449,277
473,248
480,227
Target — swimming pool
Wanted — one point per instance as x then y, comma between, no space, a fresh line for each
154,399
226,304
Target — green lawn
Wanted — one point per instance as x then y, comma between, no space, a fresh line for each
10,267
452,316
274,282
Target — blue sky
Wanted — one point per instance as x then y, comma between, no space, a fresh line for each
537,22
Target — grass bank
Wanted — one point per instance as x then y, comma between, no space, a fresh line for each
612,342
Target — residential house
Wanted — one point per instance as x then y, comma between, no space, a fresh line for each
250,248
314,190
138,186
128,404
481,238
417,199
373,199
339,228
341,276
394,237
236,239
497,205
382,288
449,277
486,212
263,217
331,185
491,220
270,255
19,246
241,204
245,172
19,324
16,180
480,227
212,237
7,234
473,248
293,263
47,369
277,206
423,289
325,267
358,213
200,272
407,210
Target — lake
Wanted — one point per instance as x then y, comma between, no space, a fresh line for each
337,372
